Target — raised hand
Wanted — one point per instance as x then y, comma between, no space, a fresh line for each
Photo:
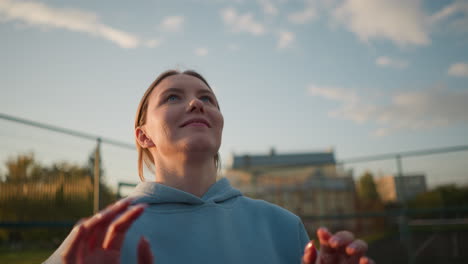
99,238
338,248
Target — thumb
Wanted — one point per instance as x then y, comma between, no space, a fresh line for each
310,253
144,252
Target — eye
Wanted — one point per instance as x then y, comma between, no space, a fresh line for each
206,99
172,98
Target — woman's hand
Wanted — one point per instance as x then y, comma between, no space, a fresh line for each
337,248
99,238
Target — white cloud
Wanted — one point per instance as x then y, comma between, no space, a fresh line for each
268,7
458,69
309,12
285,39
172,23
456,14
302,17
39,14
410,110
385,61
333,93
201,52
400,21
457,7
153,43
242,23
348,98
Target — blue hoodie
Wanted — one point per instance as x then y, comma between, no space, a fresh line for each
222,226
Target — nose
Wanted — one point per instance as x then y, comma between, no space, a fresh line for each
196,105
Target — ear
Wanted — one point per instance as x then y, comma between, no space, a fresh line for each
143,139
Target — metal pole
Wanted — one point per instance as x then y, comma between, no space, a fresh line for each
66,131
97,170
400,185
321,195
405,237
415,153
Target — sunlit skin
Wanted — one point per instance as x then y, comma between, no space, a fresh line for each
183,155
99,239
183,133
338,248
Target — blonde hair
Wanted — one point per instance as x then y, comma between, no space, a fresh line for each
144,155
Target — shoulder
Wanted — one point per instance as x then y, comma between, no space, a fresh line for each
264,209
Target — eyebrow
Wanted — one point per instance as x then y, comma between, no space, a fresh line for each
174,90
179,90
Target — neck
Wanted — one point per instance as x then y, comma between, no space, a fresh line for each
194,176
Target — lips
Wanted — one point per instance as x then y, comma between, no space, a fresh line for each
196,121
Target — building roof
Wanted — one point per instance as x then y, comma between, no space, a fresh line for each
279,160
312,183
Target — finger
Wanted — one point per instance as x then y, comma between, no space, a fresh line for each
72,253
366,260
327,254
341,239
81,221
356,250
323,235
357,247
310,253
116,232
98,224
108,214
144,252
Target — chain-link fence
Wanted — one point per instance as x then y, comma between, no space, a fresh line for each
48,177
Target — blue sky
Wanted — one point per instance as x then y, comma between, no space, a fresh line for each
363,77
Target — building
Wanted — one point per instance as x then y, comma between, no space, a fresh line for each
307,184
399,189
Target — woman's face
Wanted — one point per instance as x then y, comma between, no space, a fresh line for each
183,116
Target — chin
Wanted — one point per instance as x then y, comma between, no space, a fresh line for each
199,145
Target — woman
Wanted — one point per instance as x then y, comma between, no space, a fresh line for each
185,215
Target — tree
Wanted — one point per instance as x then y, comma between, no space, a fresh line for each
367,189
22,168
442,196
25,168
61,191
25,192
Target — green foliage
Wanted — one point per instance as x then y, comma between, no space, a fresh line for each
24,256
442,196
22,168
25,169
367,189
33,192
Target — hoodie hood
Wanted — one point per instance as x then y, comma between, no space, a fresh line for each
156,193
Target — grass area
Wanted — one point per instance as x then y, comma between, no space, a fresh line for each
24,256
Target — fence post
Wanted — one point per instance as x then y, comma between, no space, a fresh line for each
400,186
405,236
97,171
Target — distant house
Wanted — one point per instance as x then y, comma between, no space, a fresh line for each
308,184
399,189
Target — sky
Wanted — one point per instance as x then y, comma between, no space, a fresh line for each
363,77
